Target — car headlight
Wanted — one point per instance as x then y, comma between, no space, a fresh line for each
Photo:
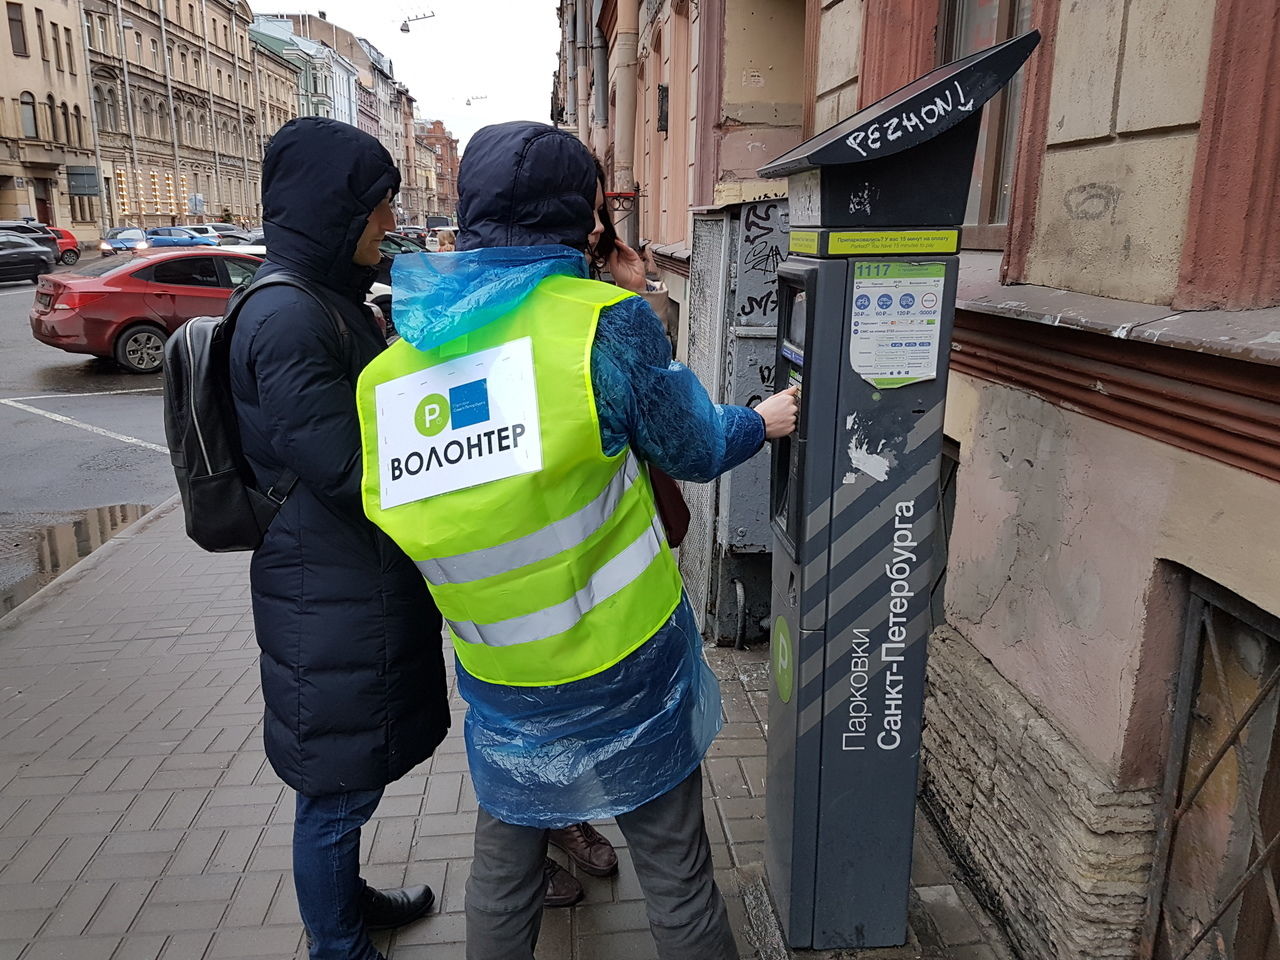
104,246
142,246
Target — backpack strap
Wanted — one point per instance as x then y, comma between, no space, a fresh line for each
279,491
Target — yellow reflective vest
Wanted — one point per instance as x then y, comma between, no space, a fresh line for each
483,461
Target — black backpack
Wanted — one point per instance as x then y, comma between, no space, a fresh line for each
225,511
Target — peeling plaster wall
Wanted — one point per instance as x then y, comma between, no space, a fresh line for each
1055,570
763,96
839,56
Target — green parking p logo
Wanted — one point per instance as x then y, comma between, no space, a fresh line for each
783,656
432,415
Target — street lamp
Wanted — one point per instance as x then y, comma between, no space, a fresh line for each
404,27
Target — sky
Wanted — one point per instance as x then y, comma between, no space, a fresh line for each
499,54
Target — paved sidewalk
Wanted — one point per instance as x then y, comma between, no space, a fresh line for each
139,819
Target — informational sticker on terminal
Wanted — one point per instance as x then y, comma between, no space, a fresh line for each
458,424
897,308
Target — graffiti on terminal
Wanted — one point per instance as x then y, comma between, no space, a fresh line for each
876,135
762,244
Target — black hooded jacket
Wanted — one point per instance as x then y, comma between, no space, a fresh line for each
352,666
525,184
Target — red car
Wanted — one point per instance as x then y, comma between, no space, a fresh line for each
126,308
68,245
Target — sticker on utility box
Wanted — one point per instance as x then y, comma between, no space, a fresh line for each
897,321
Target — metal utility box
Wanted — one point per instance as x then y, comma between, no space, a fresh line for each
866,300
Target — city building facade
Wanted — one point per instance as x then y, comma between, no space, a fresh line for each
443,145
172,93
377,100
326,80
1102,745
47,165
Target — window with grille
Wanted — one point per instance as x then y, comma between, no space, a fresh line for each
1214,882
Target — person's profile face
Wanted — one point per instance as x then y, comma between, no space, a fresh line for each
380,222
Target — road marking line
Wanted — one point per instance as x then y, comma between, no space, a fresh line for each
11,293
72,422
99,393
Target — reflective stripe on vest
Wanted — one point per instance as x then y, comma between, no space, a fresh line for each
573,530
604,583
545,576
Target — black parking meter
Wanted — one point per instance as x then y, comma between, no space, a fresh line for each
866,304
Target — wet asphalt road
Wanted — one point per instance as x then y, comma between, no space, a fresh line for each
78,433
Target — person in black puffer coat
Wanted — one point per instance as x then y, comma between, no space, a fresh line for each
352,667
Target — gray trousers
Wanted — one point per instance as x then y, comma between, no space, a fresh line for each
672,856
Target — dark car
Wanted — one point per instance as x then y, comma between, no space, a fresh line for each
36,231
394,244
21,258
229,234
127,308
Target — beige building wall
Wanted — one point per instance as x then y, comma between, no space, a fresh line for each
44,119
1126,97
839,56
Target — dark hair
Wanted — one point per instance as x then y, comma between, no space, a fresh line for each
608,241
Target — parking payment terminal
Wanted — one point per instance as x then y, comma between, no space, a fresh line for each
866,304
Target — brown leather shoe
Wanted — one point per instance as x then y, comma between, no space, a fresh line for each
587,848
563,888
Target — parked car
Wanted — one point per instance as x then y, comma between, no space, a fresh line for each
126,309
394,244
120,239
178,237
22,258
414,233
223,233
36,231
68,245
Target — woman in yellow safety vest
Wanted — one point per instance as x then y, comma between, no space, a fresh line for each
505,440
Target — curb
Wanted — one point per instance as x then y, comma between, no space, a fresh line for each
40,599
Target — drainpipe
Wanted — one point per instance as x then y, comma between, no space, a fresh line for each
216,192
570,23
244,138
600,68
624,140
255,69
168,83
104,221
128,112
584,75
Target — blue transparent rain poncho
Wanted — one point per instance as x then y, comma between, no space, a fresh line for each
594,748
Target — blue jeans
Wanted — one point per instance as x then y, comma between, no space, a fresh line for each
326,873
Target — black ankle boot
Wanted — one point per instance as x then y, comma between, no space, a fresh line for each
385,909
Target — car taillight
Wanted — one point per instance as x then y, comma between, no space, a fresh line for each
76,299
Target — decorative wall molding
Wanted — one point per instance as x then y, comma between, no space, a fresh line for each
1231,257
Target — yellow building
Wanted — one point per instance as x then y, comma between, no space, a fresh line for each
47,168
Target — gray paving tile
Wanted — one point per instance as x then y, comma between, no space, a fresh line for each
949,914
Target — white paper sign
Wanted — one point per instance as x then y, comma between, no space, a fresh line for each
896,322
459,424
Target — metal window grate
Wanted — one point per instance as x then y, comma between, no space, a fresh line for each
1214,884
